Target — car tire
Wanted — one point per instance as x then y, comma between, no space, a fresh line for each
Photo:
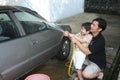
64,49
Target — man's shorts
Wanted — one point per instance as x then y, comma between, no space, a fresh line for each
92,68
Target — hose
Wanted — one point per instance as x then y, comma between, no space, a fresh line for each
71,61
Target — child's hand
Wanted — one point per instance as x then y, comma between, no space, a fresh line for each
66,33
71,35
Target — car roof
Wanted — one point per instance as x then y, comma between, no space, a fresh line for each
19,8
7,7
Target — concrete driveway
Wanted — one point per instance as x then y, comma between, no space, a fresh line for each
57,69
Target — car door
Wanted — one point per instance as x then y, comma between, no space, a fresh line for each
43,41
14,51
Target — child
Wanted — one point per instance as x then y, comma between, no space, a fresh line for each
83,37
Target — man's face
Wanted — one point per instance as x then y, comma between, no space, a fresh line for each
94,27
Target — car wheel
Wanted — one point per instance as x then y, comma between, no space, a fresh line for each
64,50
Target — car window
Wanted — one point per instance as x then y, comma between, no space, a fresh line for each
30,23
8,29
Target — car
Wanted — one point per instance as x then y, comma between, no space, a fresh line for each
27,41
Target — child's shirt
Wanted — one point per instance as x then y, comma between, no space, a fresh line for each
87,38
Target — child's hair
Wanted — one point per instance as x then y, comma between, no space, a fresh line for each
86,25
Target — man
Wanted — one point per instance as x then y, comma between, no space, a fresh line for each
95,51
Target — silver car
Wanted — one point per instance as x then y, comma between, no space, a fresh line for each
27,41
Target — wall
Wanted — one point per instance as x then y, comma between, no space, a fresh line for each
51,10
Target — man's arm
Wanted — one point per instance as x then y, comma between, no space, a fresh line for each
81,47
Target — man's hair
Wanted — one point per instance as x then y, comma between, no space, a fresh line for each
101,23
86,25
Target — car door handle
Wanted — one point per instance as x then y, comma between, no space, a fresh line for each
34,42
